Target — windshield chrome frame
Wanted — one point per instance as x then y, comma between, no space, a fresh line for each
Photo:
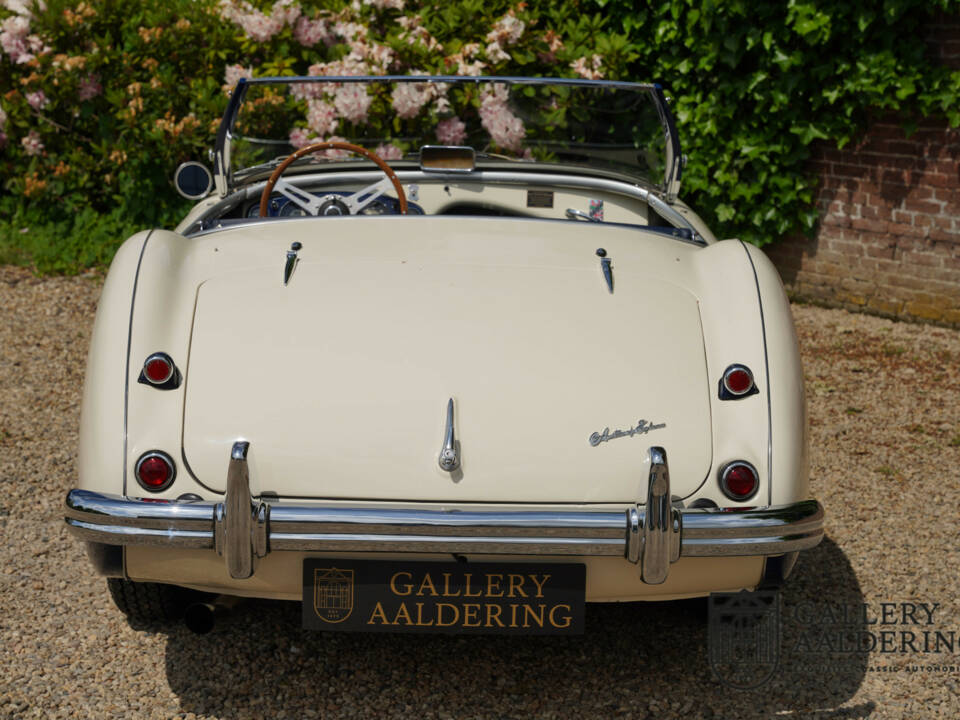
223,172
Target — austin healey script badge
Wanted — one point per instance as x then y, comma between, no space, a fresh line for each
642,428
333,594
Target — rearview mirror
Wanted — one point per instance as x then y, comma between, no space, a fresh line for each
193,180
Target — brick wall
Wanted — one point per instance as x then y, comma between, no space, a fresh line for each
888,241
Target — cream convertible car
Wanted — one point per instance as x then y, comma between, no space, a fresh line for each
463,372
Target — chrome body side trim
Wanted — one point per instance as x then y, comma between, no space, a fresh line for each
766,369
126,377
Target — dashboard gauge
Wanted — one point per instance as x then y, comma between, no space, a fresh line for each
291,209
377,208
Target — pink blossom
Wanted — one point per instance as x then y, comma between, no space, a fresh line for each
37,100
233,73
507,30
20,7
17,26
467,52
89,88
333,153
352,102
451,131
442,105
385,4
25,7
589,69
14,40
389,151
473,69
321,116
408,98
495,53
301,137
505,128
3,139
31,144
255,24
309,32
350,30
380,55
285,12
415,33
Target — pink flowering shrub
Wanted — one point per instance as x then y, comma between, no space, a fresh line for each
100,100
32,145
505,128
588,68
451,131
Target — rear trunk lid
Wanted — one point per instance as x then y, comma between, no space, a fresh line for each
340,380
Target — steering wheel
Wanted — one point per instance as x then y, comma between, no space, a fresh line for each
332,204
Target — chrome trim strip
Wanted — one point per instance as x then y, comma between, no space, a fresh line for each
359,542
526,179
126,377
121,535
766,365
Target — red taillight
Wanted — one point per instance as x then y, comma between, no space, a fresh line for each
158,368
738,380
739,480
155,471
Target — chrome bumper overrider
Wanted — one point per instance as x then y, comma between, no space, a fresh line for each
243,528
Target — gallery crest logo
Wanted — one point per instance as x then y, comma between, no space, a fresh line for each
333,594
744,637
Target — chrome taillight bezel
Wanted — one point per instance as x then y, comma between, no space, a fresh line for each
726,392
724,474
172,379
171,469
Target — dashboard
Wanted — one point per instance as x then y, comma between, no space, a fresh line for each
281,206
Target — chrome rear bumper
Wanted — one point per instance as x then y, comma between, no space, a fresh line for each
242,528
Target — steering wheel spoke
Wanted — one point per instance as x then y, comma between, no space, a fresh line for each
361,198
314,204
308,201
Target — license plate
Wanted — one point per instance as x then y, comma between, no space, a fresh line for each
439,597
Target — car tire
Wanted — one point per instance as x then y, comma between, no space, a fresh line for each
147,603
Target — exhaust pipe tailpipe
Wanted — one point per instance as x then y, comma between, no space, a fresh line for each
202,616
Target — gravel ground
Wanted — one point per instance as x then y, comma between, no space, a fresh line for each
884,401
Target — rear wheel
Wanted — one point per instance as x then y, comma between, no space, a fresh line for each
148,603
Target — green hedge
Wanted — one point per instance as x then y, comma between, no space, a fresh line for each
101,100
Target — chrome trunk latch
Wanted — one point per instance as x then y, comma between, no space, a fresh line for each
450,452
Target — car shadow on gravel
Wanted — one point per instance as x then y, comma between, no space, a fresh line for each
637,659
